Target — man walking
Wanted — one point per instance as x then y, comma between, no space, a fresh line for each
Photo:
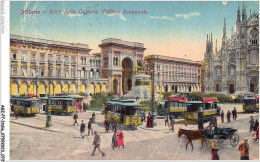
172,124
93,117
96,143
251,122
234,112
75,117
82,128
222,116
244,150
228,116
166,119
90,127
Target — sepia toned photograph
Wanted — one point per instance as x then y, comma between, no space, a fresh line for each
133,80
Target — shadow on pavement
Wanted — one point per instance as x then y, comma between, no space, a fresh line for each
35,127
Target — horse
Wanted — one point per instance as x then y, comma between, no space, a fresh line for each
192,135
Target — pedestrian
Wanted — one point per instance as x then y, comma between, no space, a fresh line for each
256,137
244,150
90,127
149,123
106,125
75,117
228,116
93,117
144,116
234,113
251,123
96,143
172,124
256,124
222,116
120,139
114,140
166,119
82,128
214,151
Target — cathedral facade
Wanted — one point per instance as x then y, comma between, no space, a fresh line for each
234,69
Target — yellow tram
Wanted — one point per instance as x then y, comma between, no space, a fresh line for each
61,105
250,104
200,111
24,105
123,111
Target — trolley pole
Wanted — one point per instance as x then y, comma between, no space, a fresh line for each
48,116
153,87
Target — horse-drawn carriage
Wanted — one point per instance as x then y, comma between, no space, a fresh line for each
207,135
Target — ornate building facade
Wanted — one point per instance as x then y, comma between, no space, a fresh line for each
234,69
119,61
66,67
173,74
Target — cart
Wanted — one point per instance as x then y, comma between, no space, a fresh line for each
222,134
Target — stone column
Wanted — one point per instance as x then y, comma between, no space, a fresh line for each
110,83
119,84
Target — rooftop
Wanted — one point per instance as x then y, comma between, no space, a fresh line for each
50,42
121,42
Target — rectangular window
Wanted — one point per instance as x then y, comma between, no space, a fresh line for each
58,72
72,73
41,72
66,59
58,59
14,54
42,58
23,58
73,61
50,58
33,56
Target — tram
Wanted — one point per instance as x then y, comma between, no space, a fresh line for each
176,106
250,104
161,109
200,111
124,112
61,105
24,105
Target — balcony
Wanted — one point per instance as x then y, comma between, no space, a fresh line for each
14,59
73,63
42,61
33,61
58,62
23,60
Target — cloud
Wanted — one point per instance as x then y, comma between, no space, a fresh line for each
187,16
119,15
162,18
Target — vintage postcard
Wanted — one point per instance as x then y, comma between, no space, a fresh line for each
130,80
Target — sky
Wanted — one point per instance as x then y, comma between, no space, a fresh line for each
170,28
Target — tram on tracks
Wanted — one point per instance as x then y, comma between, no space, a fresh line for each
61,105
250,104
124,112
200,111
25,105
176,106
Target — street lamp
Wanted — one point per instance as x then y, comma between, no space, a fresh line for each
152,85
36,81
48,116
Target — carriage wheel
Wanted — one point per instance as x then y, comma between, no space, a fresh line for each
234,139
220,141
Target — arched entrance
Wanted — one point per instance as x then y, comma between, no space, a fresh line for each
231,86
115,85
127,69
254,85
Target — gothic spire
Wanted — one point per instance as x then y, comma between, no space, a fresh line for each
224,28
243,13
238,14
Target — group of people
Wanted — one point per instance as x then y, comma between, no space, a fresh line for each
243,147
107,123
172,122
234,115
254,126
83,125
